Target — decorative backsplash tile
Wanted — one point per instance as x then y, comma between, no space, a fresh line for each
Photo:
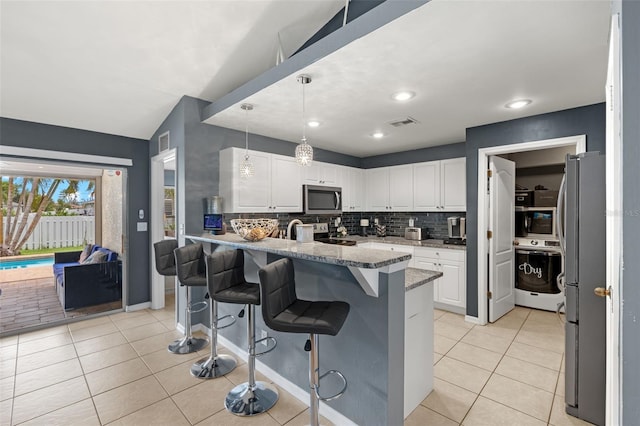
395,222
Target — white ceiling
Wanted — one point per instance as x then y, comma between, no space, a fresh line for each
464,59
119,67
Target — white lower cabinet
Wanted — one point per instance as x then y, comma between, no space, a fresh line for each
449,291
392,247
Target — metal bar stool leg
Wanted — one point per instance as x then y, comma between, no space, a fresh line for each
314,367
251,398
216,365
188,343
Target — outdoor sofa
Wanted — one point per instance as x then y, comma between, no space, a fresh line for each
97,280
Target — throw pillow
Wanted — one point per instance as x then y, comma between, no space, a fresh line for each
86,251
96,257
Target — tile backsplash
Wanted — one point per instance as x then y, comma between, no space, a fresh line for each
436,223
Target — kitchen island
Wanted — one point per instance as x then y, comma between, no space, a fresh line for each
388,372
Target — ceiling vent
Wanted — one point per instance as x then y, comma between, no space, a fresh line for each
404,122
163,142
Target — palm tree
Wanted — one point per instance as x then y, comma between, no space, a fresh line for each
33,195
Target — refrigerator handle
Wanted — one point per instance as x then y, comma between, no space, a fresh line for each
560,213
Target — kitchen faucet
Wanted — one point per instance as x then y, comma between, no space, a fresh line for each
290,226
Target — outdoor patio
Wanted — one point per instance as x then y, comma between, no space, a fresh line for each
29,299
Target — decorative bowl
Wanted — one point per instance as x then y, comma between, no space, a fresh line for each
254,229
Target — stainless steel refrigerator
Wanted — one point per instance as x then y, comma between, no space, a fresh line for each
585,263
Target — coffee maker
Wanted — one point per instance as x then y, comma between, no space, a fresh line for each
456,226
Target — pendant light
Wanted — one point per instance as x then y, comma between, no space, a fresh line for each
246,167
304,151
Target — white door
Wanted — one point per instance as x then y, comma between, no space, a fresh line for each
357,190
502,225
614,224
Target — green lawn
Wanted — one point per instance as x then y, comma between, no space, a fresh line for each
51,250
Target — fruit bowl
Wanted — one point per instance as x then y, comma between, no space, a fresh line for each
254,229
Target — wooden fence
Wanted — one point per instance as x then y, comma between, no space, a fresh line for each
61,231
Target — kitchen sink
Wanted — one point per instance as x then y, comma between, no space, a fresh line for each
336,241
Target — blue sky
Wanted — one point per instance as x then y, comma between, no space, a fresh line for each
82,195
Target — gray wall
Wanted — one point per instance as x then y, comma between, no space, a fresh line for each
630,369
27,134
587,120
441,152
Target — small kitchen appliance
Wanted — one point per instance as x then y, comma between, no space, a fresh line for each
364,224
415,233
457,227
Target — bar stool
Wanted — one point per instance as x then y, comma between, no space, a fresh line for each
249,398
165,259
283,311
190,268
216,365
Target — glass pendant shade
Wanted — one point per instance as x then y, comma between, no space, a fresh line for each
246,167
304,151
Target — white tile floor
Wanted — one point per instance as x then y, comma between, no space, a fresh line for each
116,370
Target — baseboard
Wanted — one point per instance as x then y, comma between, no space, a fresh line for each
302,395
138,307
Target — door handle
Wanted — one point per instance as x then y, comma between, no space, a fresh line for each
602,292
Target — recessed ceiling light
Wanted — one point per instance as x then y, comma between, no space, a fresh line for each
520,103
403,96
378,135
313,123
40,167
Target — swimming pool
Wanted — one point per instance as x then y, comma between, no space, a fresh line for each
25,263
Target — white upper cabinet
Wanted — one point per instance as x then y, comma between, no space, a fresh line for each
321,174
352,183
390,188
286,191
440,185
276,185
426,186
453,184
401,188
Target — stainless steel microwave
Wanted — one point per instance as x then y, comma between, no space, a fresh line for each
321,199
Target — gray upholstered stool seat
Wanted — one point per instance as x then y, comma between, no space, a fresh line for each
165,259
191,271
216,365
229,286
283,311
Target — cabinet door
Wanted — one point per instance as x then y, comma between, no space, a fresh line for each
286,188
377,182
252,195
357,190
429,264
453,184
401,188
451,286
328,174
426,186
311,174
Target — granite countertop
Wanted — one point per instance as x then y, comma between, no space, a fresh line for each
402,241
318,252
414,277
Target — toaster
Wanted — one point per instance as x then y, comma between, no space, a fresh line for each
415,233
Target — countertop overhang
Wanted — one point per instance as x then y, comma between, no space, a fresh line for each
365,264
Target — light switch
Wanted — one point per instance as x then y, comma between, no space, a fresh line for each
142,226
